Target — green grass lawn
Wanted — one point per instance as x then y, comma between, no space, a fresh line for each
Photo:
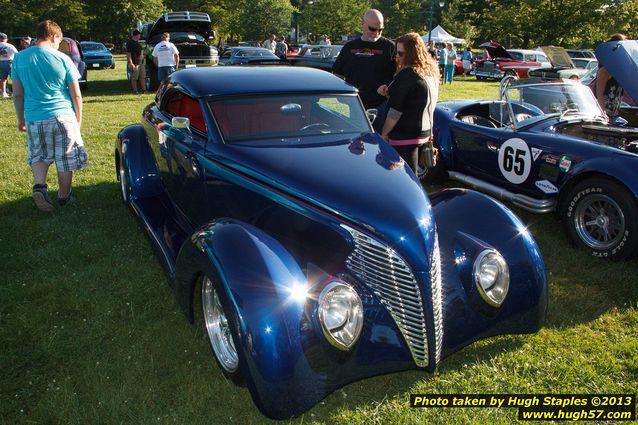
90,333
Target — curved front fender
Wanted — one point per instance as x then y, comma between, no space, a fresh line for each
467,223
133,149
620,168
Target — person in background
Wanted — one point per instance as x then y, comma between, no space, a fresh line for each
609,92
368,62
412,96
165,57
25,42
442,59
467,61
325,41
432,50
135,62
270,43
48,104
281,48
449,63
7,52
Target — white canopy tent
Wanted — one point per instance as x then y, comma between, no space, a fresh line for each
439,35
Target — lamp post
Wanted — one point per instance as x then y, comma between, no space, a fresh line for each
441,3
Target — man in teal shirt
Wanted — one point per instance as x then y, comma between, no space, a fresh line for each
48,104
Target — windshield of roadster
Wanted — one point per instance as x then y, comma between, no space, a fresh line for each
290,116
552,98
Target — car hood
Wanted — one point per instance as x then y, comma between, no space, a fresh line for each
620,58
558,57
361,181
495,50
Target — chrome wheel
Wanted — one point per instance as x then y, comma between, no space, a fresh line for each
124,183
217,328
599,222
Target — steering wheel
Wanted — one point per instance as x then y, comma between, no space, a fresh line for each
314,125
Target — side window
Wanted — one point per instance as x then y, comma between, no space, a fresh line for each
226,54
182,105
517,56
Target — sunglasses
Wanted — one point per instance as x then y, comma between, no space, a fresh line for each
374,29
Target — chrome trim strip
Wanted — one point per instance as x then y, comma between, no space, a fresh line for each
538,206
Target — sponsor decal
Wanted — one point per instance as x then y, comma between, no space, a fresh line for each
546,186
515,160
565,164
366,52
536,153
551,159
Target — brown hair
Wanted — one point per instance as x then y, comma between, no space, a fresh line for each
417,56
47,29
617,37
166,36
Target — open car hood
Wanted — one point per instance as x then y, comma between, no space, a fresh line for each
495,50
620,58
195,22
558,57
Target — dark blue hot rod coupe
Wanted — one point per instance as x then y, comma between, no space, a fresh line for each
548,146
304,245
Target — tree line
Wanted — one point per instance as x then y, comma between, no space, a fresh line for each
520,23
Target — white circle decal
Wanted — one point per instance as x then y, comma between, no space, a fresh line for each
515,160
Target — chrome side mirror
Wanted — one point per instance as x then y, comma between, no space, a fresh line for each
181,122
372,114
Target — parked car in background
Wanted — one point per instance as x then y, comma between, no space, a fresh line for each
303,244
190,33
316,56
73,49
548,147
243,55
497,62
562,66
96,55
581,53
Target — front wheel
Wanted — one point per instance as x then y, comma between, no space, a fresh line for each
601,216
218,320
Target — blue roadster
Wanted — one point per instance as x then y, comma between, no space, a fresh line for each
549,147
305,246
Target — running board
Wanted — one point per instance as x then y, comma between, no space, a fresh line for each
537,206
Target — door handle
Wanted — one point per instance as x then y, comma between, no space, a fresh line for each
492,146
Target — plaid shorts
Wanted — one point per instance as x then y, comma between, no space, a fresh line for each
56,140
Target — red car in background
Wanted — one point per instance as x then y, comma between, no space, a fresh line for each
497,62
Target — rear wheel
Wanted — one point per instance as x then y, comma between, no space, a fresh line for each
219,321
431,175
601,217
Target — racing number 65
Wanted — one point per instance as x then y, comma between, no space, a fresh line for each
514,160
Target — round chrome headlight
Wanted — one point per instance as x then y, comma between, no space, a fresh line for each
492,277
340,314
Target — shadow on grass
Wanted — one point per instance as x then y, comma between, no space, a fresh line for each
104,88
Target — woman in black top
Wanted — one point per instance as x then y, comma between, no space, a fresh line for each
412,96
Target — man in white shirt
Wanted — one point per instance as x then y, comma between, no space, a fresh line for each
165,57
7,51
270,43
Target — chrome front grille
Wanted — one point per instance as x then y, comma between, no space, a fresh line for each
437,298
391,279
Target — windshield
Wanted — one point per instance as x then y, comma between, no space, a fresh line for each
289,117
533,100
93,47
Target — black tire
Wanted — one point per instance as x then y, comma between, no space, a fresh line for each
124,179
481,78
151,78
435,175
220,325
601,216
